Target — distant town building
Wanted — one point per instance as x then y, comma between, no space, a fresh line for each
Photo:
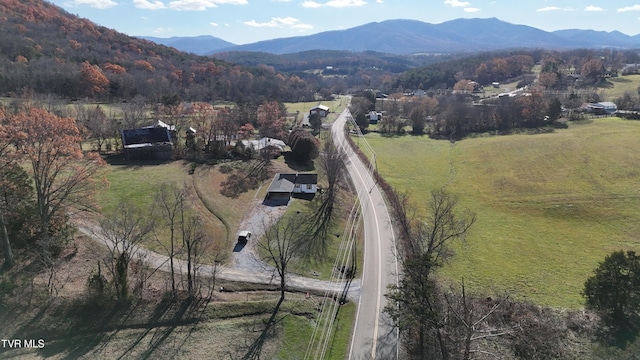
602,108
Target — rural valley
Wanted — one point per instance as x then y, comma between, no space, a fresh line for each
444,195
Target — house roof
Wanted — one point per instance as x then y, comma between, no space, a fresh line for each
320,107
284,183
307,179
608,104
264,142
151,135
162,124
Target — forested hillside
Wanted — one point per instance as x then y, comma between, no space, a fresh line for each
47,50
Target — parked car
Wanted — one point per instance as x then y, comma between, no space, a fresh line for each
244,236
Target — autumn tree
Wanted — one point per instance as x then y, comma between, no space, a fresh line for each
548,79
304,146
64,178
92,81
204,117
464,85
272,120
592,70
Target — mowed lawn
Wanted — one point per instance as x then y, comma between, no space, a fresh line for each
549,206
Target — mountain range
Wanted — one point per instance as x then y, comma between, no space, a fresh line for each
405,37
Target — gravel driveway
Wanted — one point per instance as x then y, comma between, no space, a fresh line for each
245,258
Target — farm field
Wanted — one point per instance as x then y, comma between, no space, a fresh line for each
621,85
549,206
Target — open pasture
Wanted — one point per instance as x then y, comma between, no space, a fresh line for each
549,206
622,85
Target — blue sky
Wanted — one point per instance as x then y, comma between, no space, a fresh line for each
247,21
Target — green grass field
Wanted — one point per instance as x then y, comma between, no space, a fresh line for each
549,207
621,85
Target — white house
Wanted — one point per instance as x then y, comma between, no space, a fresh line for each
260,144
305,184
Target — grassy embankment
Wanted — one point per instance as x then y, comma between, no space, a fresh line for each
622,85
549,207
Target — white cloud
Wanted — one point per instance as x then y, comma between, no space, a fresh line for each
471,10
311,4
213,24
334,3
148,5
635,7
279,22
98,4
379,1
554,8
593,8
201,5
457,3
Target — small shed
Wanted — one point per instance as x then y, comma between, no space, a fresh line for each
323,110
374,117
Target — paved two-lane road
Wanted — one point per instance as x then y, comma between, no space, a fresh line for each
374,335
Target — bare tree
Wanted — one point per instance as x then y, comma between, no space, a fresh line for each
134,113
442,226
195,241
415,303
468,322
123,231
281,242
171,201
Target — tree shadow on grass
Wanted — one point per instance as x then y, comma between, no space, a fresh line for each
183,312
118,159
297,166
73,329
255,349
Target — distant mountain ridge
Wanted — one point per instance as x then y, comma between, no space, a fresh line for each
404,37
199,45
